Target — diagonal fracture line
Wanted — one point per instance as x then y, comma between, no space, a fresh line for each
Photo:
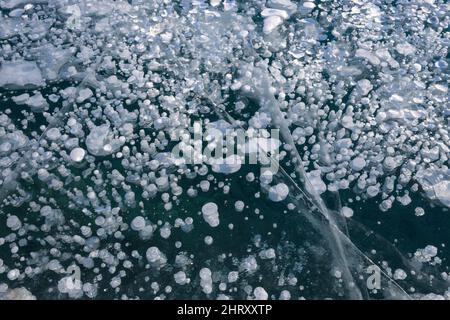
331,224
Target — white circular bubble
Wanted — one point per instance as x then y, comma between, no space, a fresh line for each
77,154
239,206
155,256
53,134
138,223
278,192
180,278
211,214
208,240
347,212
358,164
13,222
260,293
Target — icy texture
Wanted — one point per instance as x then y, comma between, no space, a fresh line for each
101,141
96,93
20,75
436,184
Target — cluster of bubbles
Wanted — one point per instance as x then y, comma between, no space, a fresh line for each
89,111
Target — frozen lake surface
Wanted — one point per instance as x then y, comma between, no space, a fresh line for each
224,149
